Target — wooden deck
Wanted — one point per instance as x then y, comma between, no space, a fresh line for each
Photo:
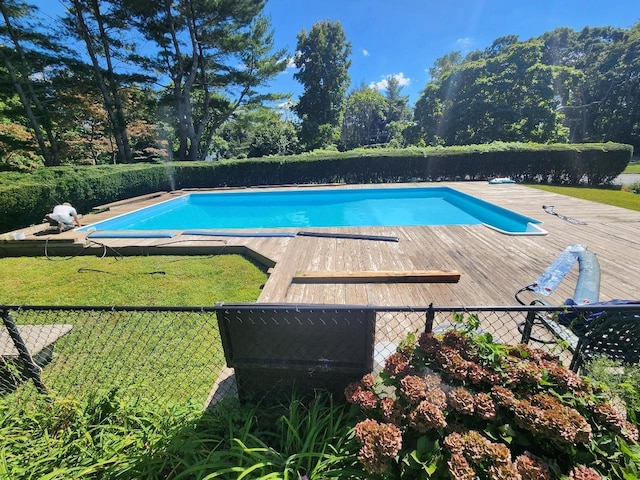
492,265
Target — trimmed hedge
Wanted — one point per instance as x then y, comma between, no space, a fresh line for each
28,197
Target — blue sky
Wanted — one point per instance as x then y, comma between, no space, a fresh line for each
405,37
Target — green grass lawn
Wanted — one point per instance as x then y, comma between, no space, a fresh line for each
164,354
608,196
150,280
632,168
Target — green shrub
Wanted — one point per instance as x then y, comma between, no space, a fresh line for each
461,406
28,197
634,187
623,381
115,437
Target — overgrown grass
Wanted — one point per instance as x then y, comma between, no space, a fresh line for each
151,280
107,438
608,196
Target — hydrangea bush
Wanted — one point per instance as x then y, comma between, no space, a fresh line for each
461,406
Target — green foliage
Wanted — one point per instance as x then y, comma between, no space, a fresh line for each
323,63
458,405
634,187
160,280
623,381
27,198
364,118
111,437
101,437
599,100
235,59
608,196
563,86
504,95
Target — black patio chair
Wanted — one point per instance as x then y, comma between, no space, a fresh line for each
614,334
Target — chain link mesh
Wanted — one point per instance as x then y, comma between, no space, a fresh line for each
178,354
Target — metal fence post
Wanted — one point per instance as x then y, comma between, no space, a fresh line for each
528,326
428,324
33,371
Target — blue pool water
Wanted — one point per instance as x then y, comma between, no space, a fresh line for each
302,208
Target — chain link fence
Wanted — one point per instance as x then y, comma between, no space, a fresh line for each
184,353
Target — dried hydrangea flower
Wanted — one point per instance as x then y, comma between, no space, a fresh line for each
368,381
477,375
413,388
611,417
531,467
522,374
437,397
429,343
380,443
391,411
453,364
358,394
461,400
526,352
503,396
580,472
564,377
459,468
396,364
426,416
455,339
484,406
476,450
546,416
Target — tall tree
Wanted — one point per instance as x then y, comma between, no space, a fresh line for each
100,26
323,61
364,118
601,103
397,112
25,52
504,94
212,57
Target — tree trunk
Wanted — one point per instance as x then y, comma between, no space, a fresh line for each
108,86
49,152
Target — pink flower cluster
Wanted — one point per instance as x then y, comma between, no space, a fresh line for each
530,467
361,393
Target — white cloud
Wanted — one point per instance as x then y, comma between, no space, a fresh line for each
291,64
464,44
382,84
365,52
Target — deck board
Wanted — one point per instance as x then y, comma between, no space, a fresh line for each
492,266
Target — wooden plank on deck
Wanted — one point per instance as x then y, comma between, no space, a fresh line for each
407,276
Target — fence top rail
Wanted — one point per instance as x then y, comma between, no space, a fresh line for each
308,306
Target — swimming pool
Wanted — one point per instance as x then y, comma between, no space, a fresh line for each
331,207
